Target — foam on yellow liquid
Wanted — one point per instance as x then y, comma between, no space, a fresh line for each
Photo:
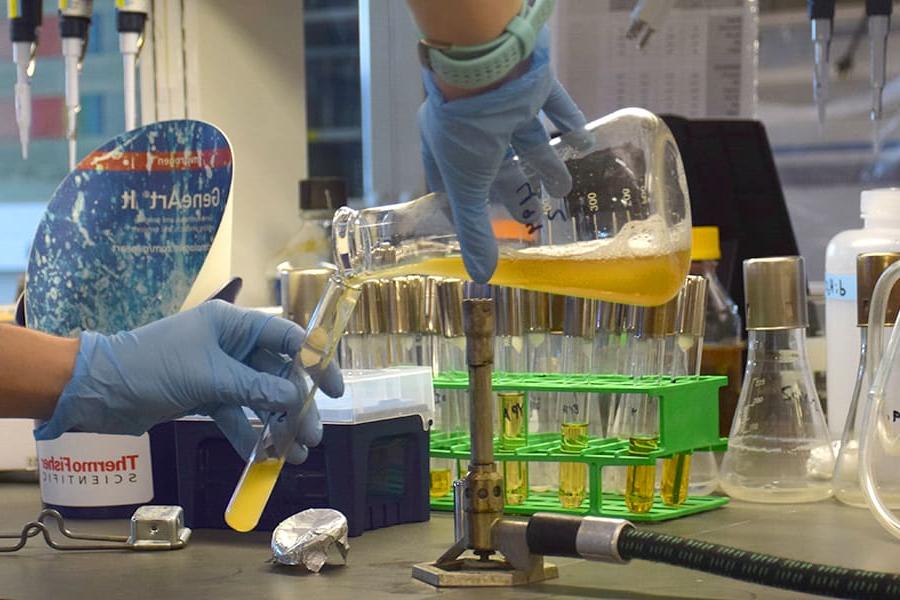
573,476
252,493
640,480
630,268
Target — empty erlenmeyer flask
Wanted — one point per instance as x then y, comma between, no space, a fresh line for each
779,449
625,234
869,268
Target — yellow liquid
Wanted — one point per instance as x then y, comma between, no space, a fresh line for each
640,479
676,472
515,481
252,493
573,477
441,480
511,414
645,280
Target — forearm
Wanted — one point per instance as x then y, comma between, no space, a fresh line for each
463,23
34,369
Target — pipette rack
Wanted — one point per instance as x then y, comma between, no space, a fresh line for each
688,422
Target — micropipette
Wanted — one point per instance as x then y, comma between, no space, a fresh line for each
131,15
647,16
24,23
74,24
821,19
878,15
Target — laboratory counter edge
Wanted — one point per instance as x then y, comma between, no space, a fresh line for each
224,564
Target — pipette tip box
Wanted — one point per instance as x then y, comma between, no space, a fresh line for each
372,464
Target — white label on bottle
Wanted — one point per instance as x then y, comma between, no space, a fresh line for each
89,469
840,287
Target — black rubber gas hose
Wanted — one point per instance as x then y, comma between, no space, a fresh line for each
618,541
763,569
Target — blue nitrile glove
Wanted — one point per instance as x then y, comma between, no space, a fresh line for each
466,152
211,360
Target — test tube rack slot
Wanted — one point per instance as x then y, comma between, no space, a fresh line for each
688,422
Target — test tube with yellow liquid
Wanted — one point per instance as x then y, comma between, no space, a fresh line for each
280,430
654,331
513,415
685,361
579,316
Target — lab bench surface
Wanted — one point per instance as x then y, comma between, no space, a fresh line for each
224,564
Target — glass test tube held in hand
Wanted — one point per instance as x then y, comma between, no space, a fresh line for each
869,268
264,465
655,331
574,407
779,450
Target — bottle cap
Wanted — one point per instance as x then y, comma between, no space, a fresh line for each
775,293
880,203
580,316
656,320
415,293
537,311
375,305
705,243
301,290
323,193
450,292
691,318
869,267
509,311
398,304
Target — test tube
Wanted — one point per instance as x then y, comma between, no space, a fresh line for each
402,338
576,358
264,465
353,351
376,322
620,327
655,328
542,476
685,362
509,357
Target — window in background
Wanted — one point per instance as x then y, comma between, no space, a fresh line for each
26,186
333,91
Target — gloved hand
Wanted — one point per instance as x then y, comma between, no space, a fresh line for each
211,360
466,152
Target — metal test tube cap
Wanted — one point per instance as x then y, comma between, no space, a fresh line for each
374,305
691,319
775,293
509,307
656,320
869,267
450,295
536,311
301,290
398,304
579,317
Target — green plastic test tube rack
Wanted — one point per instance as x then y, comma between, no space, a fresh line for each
688,421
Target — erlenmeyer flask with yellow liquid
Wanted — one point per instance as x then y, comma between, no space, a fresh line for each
622,234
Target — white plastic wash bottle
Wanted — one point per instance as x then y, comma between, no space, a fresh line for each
880,212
